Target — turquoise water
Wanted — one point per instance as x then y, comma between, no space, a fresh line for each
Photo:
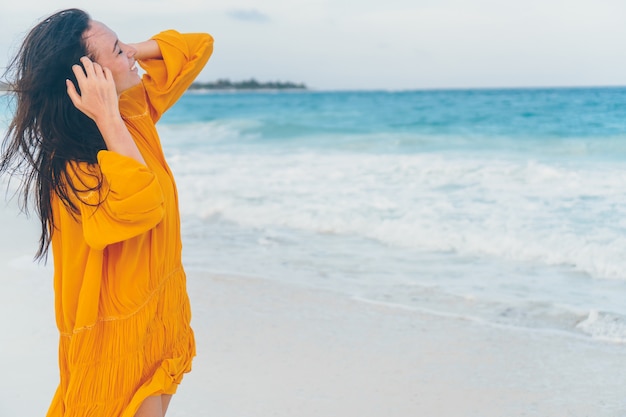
503,206
421,121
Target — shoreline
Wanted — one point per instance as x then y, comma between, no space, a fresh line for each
294,351
267,348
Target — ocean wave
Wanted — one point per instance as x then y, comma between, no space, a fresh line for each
507,209
604,326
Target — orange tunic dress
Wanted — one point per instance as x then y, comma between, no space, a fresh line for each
120,294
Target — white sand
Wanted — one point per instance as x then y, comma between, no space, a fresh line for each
266,349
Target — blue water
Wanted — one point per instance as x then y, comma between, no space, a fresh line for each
502,206
422,121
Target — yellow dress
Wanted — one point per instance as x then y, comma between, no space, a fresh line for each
120,294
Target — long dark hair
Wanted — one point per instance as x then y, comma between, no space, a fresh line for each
47,130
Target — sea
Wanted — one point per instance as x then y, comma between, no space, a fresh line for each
500,206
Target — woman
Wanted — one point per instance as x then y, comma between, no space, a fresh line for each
83,139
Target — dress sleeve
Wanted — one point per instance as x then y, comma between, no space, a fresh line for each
166,79
129,203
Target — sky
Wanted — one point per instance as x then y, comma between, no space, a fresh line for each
367,44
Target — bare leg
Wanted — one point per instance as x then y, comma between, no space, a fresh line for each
151,407
165,402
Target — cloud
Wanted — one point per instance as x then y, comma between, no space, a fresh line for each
249,15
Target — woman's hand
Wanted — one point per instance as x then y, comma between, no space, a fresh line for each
146,50
98,98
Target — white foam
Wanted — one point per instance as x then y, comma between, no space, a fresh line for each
551,214
604,326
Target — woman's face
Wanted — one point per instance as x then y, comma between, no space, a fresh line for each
111,53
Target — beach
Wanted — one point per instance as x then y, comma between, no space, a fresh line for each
420,253
267,348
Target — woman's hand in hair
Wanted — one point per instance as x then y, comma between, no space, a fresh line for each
98,98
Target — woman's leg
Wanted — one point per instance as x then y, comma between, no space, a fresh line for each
165,402
151,407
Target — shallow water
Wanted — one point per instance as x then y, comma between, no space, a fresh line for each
498,205
502,206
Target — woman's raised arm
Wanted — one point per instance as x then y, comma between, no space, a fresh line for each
98,100
147,50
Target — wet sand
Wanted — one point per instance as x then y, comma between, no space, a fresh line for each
269,349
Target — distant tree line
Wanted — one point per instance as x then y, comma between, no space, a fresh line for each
251,84
225,84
